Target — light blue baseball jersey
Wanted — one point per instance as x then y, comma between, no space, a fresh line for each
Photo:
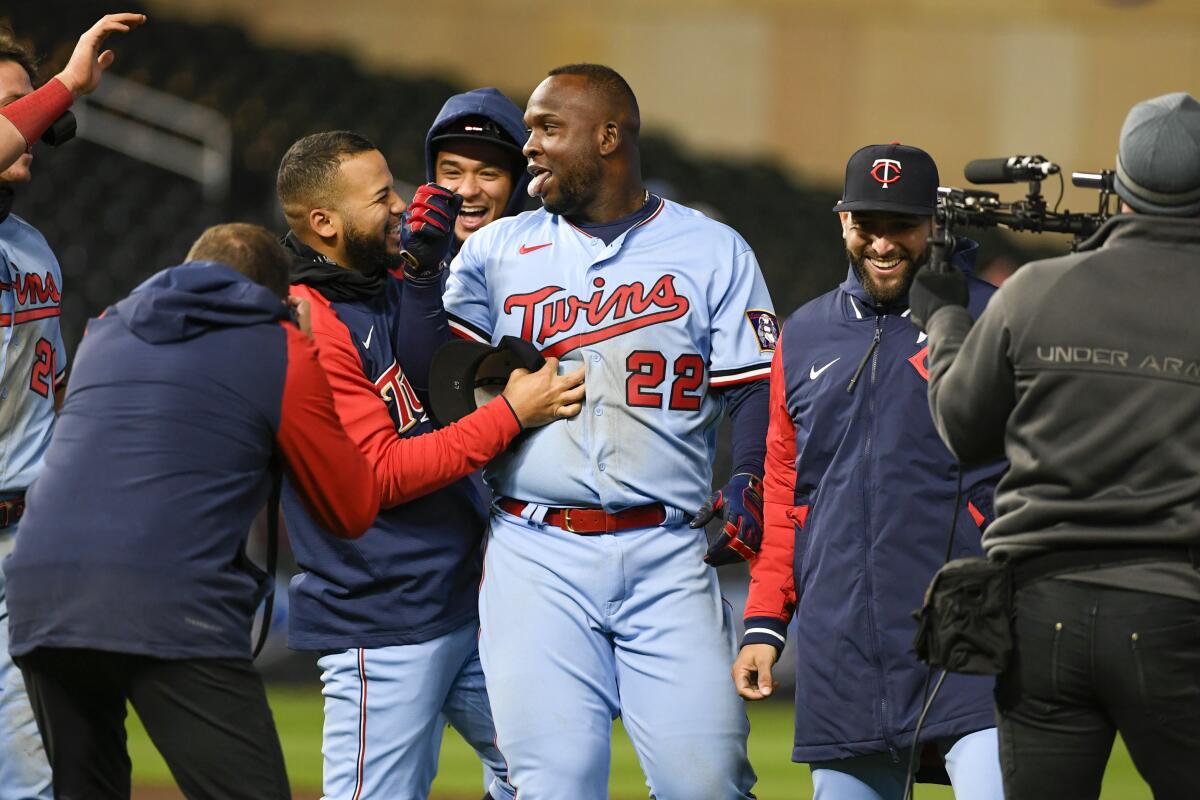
33,360
674,307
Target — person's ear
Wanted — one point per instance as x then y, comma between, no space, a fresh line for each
609,138
324,222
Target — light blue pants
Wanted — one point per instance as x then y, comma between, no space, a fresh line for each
578,629
386,708
973,763
24,771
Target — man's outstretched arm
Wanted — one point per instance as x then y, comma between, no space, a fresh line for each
23,121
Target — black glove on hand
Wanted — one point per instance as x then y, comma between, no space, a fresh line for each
426,231
739,503
932,290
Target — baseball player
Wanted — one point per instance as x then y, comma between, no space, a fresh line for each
597,601
860,496
33,361
394,614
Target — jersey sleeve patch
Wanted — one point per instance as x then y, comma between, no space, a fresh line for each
766,329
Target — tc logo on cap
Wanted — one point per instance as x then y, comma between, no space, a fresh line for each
885,171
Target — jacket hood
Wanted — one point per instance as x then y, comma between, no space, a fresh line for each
183,302
493,104
962,257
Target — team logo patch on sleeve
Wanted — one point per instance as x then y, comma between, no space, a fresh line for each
766,328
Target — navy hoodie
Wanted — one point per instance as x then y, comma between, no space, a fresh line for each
133,539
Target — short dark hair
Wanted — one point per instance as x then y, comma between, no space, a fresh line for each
610,83
310,167
12,49
250,249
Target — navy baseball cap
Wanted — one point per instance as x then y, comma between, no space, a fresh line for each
478,128
890,177
467,374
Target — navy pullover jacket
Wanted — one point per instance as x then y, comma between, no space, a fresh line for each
134,536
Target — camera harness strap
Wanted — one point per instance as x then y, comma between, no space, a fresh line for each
915,749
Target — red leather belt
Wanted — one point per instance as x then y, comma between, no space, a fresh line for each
11,510
593,520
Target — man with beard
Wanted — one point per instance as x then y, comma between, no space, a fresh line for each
597,601
394,615
859,494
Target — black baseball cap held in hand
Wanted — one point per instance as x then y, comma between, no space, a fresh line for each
890,177
467,374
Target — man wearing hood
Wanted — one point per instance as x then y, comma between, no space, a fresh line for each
474,149
859,494
130,581
394,614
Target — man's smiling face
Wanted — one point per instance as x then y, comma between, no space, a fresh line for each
885,249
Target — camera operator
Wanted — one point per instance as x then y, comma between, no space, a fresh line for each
1085,371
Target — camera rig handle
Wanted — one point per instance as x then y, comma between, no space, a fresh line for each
983,209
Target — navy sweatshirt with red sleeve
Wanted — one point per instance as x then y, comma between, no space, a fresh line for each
415,574
134,536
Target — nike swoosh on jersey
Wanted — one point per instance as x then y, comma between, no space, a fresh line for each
367,341
814,373
529,249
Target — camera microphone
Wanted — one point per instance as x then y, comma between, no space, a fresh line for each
1009,170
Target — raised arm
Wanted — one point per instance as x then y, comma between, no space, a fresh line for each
23,121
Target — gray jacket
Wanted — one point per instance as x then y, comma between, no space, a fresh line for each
1084,372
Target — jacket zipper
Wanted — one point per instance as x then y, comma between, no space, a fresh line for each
872,356
866,357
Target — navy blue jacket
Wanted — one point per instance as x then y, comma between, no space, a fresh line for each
859,497
415,574
134,536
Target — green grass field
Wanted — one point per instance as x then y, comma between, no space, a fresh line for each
298,716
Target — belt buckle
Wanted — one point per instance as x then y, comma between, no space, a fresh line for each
567,521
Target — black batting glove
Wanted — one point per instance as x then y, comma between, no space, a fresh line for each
933,290
739,504
426,231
